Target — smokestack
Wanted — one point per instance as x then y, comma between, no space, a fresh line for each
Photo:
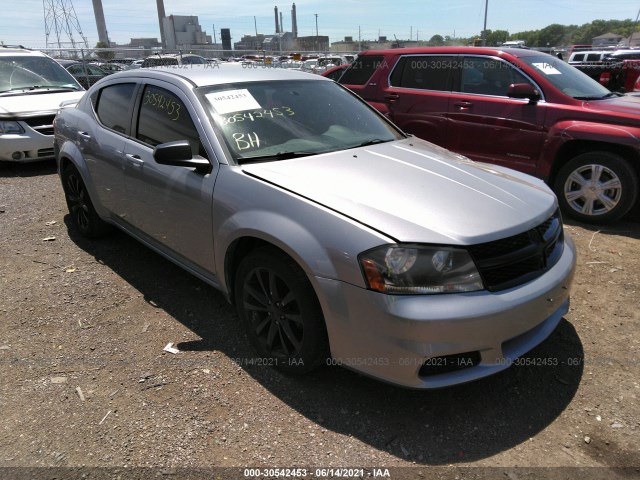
161,16
275,10
281,24
100,23
294,22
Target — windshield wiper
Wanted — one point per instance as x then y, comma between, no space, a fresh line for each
275,156
31,88
373,141
607,95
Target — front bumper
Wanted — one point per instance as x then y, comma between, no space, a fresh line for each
30,146
391,337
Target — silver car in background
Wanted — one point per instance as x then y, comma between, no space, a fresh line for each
339,239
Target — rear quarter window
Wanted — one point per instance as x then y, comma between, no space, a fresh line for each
113,104
362,69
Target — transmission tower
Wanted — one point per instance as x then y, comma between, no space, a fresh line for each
61,21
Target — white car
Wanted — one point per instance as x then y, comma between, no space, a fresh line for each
32,88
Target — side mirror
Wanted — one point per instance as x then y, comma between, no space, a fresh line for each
179,154
524,90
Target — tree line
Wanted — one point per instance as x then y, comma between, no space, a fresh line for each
554,35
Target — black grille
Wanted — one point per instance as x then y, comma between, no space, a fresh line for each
46,152
515,260
42,124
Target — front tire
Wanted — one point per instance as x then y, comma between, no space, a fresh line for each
280,312
596,187
83,214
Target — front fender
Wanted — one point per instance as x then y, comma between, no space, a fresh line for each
323,242
576,131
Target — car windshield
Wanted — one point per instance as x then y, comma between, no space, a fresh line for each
263,121
30,73
567,78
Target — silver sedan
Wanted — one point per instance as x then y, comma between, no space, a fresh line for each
339,239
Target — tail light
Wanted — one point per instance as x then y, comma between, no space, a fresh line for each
604,78
636,86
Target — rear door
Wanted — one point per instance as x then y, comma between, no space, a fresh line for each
417,95
363,76
102,142
485,124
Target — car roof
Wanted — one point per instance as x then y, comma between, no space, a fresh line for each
202,75
516,52
17,50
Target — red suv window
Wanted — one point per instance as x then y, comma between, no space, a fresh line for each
361,69
428,72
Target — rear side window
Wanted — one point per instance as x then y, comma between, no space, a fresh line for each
423,73
113,106
362,69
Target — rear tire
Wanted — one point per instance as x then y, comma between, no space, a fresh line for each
83,214
280,312
596,187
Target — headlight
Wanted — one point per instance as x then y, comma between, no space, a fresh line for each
417,269
7,128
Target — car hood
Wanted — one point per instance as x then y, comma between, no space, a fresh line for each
414,191
35,103
628,104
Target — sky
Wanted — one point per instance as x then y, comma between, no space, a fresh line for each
23,21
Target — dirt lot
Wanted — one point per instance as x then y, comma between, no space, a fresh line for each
84,379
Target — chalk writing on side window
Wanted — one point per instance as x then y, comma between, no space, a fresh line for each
161,102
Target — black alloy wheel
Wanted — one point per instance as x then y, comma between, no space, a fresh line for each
280,312
83,214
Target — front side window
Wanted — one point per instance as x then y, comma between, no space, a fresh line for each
488,76
285,119
164,118
112,106
566,78
423,72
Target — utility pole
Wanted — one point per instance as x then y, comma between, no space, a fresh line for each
484,31
317,48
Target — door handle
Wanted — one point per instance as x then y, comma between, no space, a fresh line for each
463,105
134,160
392,97
84,135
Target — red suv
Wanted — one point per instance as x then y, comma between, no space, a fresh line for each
515,107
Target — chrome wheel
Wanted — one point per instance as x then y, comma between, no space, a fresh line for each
593,190
596,187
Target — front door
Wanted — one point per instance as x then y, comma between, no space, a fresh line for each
169,206
485,124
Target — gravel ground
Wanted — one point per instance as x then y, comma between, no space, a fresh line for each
85,380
